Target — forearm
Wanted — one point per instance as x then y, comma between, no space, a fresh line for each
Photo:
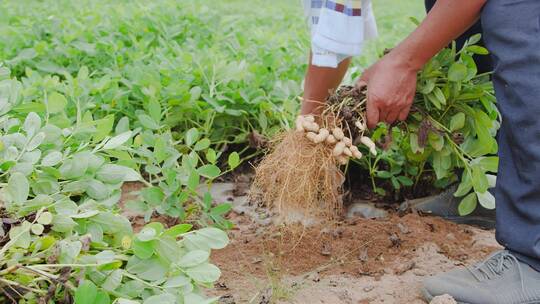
446,21
318,83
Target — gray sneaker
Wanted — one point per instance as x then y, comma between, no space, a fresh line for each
500,279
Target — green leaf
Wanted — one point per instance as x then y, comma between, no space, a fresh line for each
62,223
479,180
177,281
113,174
488,164
147,234
204,273
457,122
150,269
221,209
160,149
102,298
32,124
52,159
104,126
467,204
436,141
35,142
486,199
234,160
457,72
97,190
177,230
383,174
465,186
193,180
143,250
122,125
167,249
114,280
439,95
153,195
193,258
162,298
212,237
192,135
147,122
395,182
86,293
405,181
154,109
476,49
117,141
474,39
211,156
202,144
209,171
18,187
441,164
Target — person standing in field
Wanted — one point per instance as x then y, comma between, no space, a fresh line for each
511,31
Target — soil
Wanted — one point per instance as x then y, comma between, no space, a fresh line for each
351,261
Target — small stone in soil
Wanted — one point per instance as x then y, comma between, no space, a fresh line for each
365,210
226,299
326,250
396,241
363,255
403,228
369,288
404,267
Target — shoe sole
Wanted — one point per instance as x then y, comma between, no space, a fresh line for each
429,297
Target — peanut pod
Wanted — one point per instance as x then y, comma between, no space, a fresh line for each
299,123
331,139
338,133
338,149
312,137
323,134
370,144
355,152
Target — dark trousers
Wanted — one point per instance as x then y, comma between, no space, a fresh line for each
483,63
512,34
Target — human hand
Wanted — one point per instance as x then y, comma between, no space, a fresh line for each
391,86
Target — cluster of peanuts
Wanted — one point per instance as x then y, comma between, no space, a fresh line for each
343,145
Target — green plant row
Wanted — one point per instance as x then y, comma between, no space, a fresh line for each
61,177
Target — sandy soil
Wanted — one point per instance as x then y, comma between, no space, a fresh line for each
355,261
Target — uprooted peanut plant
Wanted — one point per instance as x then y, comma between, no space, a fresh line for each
448,138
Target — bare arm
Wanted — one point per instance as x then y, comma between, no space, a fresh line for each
391,81
318,83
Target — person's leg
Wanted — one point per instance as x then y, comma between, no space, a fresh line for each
483,63
318,84
512,33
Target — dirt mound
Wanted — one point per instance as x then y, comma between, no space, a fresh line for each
360,247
